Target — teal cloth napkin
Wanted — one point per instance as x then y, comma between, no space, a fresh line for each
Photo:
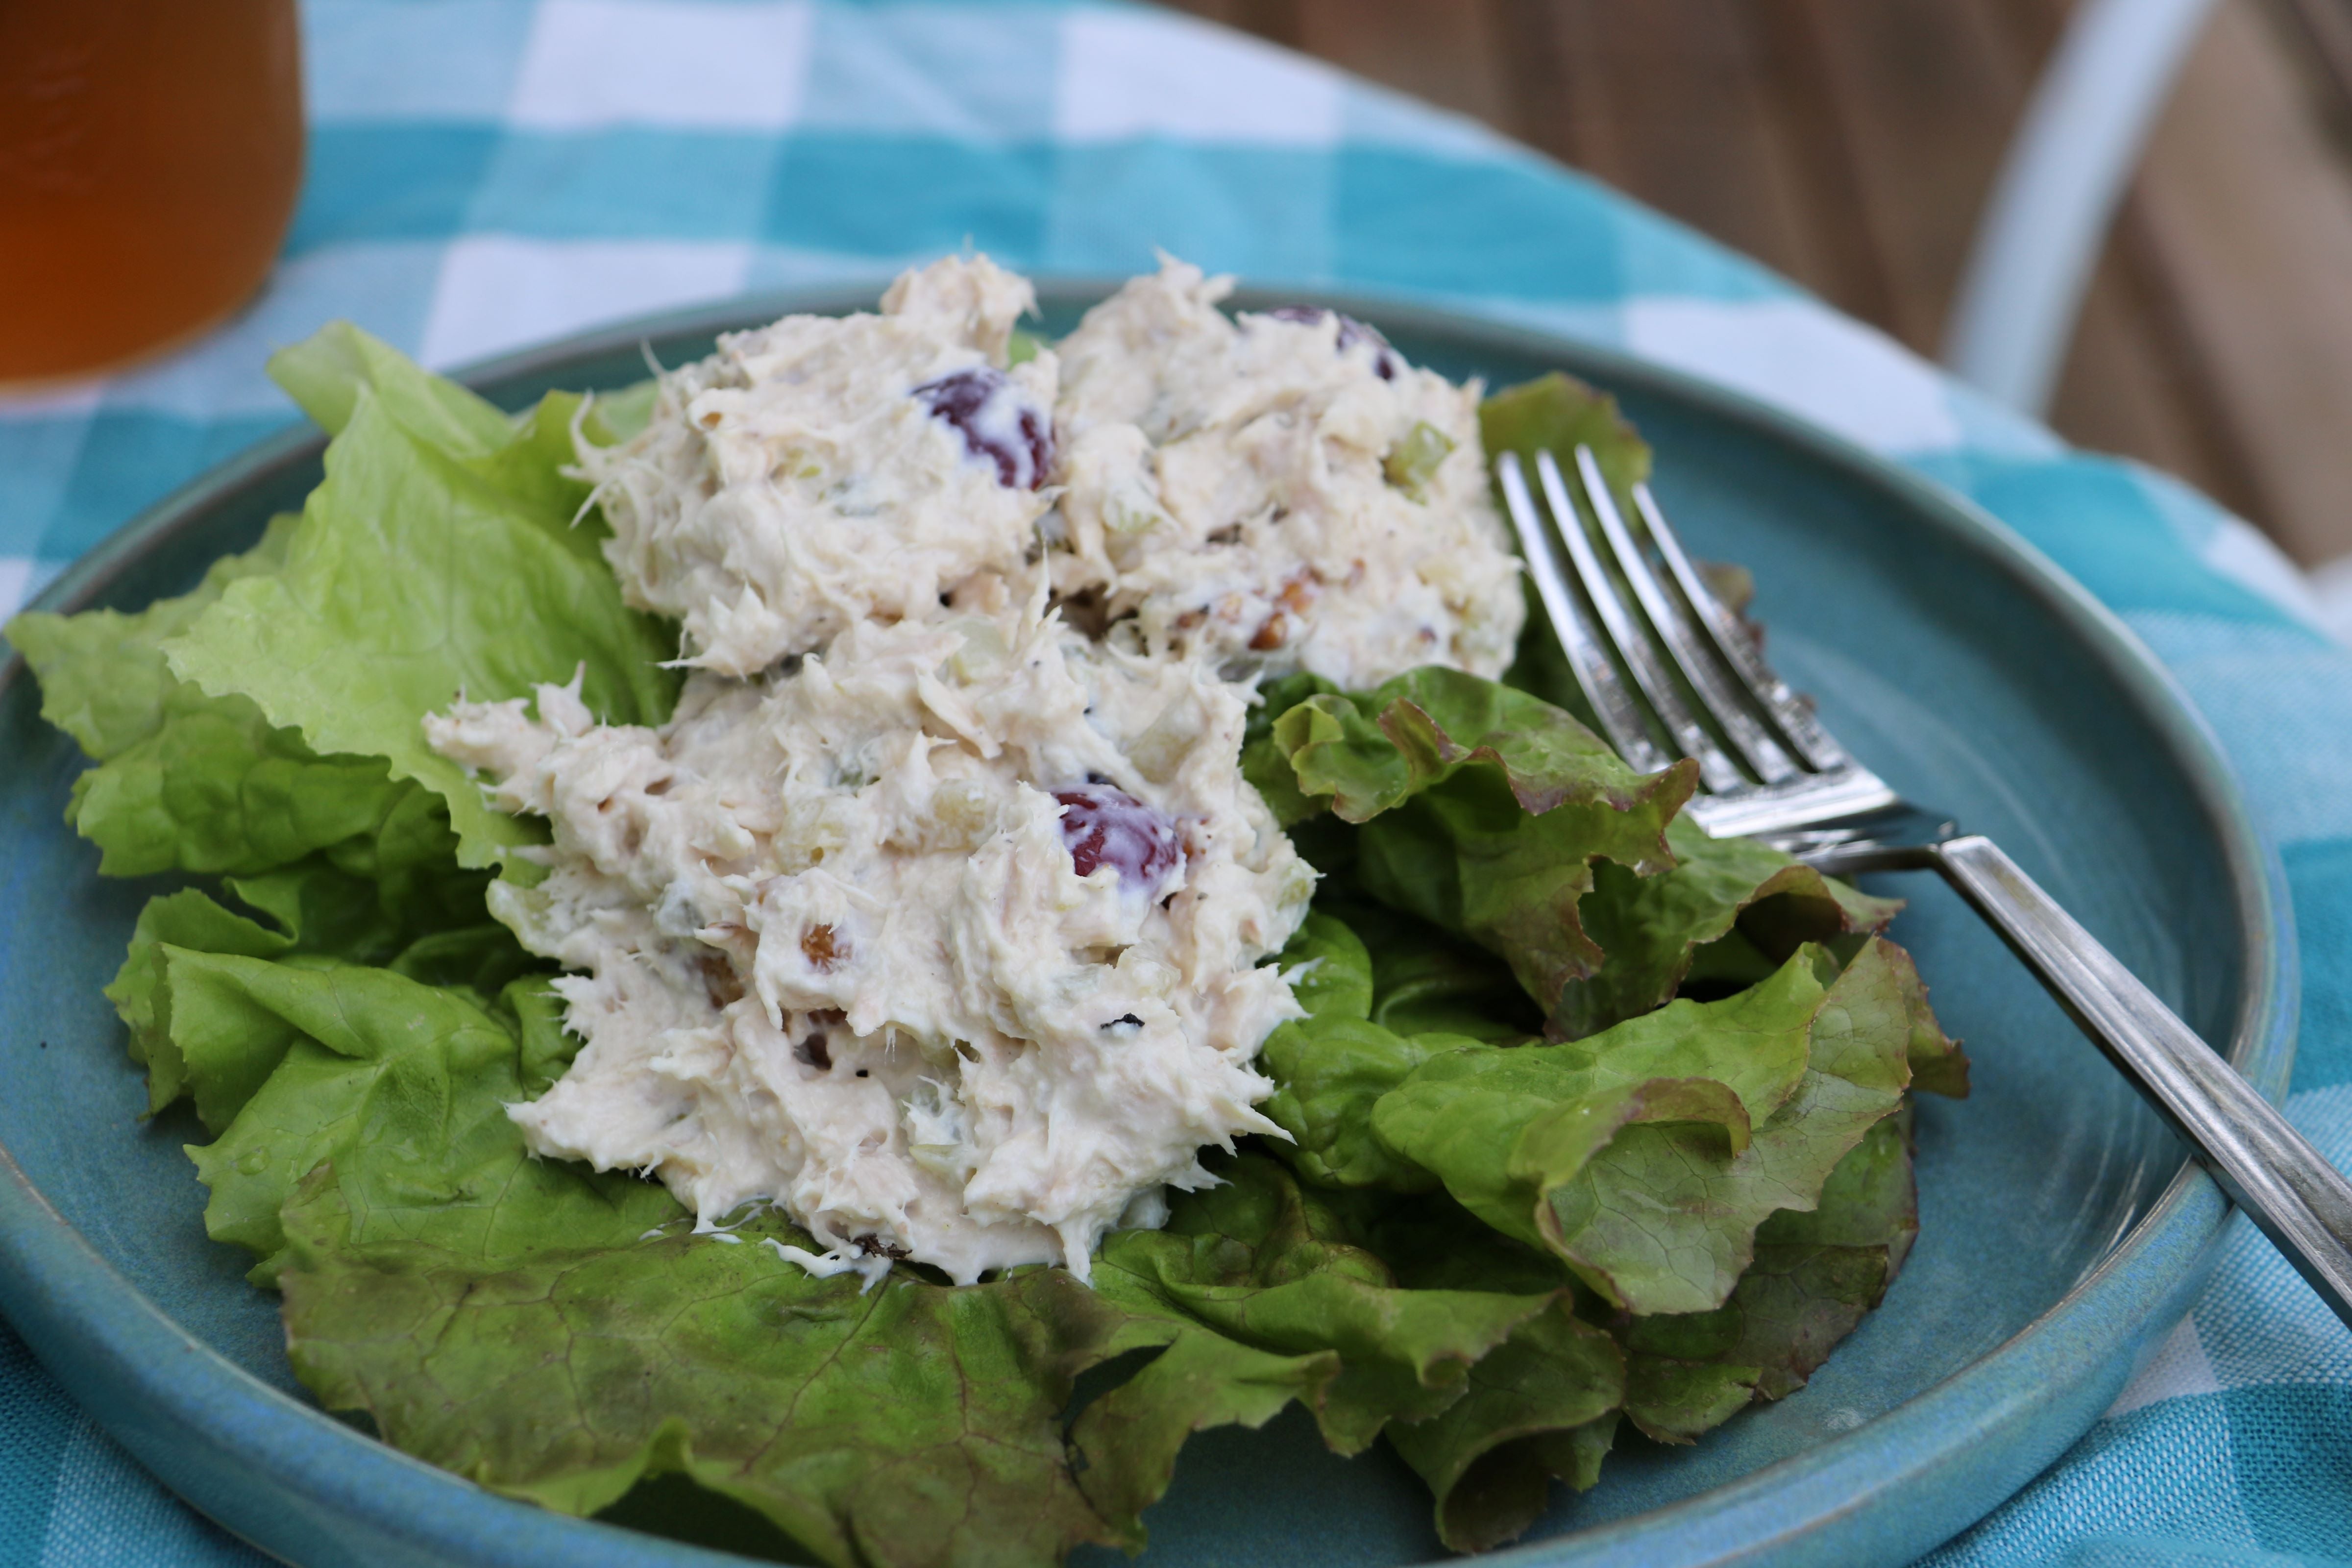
486,174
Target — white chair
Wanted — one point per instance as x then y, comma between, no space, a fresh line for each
2066,169
2046,222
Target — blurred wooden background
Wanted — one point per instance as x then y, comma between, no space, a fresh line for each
1850,146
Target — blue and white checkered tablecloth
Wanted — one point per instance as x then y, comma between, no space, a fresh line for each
486,174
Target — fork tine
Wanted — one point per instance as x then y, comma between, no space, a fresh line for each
1639,653
1612,705
1749,742
1794,719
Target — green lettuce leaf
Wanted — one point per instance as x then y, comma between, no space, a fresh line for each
1816,1273
102,674
1266,764
1557,414
1327,968
1484,811
528,457
1124,1443
303,1063
1468,1346
327,372
1264,1262
1544,1407
1329,1074
1646,1156
1938,1065
1330,1066
1540,1406
1370,753
432,561
1653,927
396,898
1428,980
184,781
218,788
188,920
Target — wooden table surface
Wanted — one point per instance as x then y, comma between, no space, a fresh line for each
1850,145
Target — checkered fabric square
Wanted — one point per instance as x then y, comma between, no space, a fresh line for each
486,174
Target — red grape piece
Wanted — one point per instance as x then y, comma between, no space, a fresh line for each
998,422
1105,826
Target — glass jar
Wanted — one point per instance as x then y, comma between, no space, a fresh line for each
151,152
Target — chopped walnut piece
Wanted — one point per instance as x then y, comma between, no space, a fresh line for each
1296,598
819,947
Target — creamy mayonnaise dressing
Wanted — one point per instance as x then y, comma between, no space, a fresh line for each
936,914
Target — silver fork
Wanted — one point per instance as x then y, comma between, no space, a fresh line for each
1659,656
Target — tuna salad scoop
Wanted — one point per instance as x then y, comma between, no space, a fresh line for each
938,912
1274,493
946,941
825,470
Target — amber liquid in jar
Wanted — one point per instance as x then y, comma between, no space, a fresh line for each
150,156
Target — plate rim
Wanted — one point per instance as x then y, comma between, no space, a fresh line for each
72,1305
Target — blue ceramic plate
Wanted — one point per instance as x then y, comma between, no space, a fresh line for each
2061,1231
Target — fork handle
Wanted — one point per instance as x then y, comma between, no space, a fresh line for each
2268,1168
